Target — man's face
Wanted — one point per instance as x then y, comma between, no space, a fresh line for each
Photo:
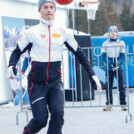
113,34
47,11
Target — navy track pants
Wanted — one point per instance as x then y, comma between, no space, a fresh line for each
45,98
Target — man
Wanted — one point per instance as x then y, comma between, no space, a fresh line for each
113,53
44,80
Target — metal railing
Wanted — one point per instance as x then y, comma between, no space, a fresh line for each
78,91
98,101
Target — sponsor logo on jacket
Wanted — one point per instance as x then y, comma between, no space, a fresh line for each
43,36
117,44
56,35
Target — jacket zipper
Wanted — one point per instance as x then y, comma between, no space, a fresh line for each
49,54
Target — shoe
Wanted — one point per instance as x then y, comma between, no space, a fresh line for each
107,108
123,108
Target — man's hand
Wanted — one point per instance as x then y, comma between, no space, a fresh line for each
99,87
114,67
11,72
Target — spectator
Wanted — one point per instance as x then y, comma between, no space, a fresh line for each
113,53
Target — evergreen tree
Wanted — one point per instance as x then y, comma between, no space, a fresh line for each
105,17
132,22
125,17
80,20
99,26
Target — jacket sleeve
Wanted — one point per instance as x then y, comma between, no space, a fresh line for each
104,57
15,56
121,58
23,45
104,53
82,59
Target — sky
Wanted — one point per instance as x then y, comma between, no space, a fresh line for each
13,22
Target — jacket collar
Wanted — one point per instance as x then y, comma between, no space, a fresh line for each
47,22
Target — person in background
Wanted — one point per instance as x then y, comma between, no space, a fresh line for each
45,87
113,54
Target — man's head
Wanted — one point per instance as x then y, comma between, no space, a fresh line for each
113,31
47,9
